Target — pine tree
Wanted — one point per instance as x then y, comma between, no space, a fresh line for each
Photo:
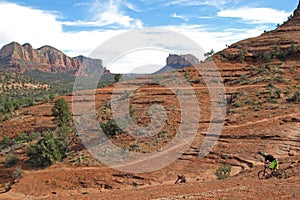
61,112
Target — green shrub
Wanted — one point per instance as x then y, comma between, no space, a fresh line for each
236,46
117,77
33,136
131,111
270,85
210,53
10,160
46,99
267,57
295,97
278,92
244,79
52,96
292,50
224,59
45,152
223,171
81,159
6,117
236,104
22,137
7,142
61,112
17,173
272,100
187,75
62,140
279,79
110,128
241,56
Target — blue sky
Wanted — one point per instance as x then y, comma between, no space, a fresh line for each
76,26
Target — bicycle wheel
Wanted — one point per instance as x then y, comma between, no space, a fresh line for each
281,174
262,174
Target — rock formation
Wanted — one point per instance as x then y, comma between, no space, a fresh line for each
22,58
181,60
175,62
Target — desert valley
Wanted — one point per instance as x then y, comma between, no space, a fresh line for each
259,112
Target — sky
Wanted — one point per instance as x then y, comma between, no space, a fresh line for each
77,27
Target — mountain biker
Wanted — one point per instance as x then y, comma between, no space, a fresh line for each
181,179
270,159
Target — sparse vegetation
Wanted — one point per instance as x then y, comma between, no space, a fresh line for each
223,171
280,53
187,75
7,142
224,59
237,46
241,55
243,79
267,57
295,97
110,128
134,147
17,173
19,91
10,160
157,79
117,77
210,53
22,137
79,160
23,90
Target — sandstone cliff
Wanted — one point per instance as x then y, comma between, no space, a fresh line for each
21,58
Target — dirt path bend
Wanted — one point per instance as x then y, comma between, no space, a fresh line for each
263,120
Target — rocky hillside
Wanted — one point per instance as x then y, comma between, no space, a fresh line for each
22,58
281,43
261,80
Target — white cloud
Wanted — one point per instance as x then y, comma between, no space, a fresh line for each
152,60
184,18
256,15
132,6
38,27
215,3
217,40
82,4
20,22
109,13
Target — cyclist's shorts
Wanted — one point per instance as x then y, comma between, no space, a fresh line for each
274,165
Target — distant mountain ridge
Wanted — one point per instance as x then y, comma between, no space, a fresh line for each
21,58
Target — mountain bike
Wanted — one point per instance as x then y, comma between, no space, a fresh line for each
267,173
